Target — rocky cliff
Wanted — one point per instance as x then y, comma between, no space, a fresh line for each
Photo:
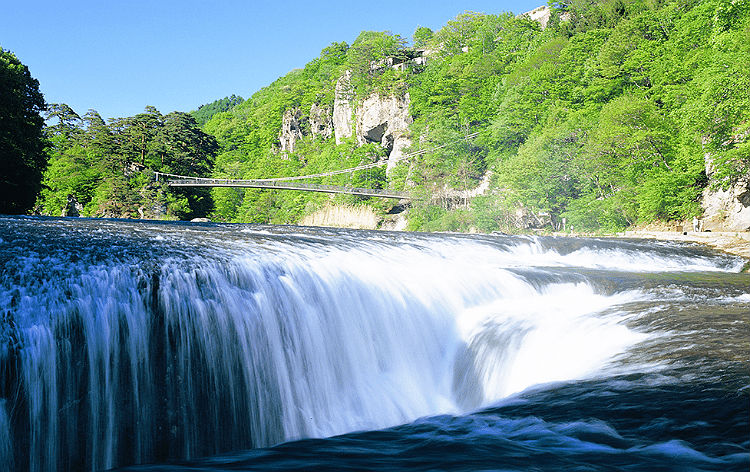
385,120
321,122
342,108
541,14
382,120
295,125
291,130
726,209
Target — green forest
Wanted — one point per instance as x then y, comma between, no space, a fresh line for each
602,119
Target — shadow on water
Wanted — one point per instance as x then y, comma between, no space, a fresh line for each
636,422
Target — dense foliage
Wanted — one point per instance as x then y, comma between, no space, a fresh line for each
207,111
603,118
100,169
22,157
609,116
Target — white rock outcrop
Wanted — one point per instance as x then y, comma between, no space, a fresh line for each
400,142
385,120
321,123
291,130
541,14
727,210
382,120
342,108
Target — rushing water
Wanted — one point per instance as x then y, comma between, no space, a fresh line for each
237,347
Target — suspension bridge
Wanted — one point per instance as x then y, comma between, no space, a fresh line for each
294,183
185,181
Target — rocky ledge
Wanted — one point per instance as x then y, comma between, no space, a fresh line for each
732,242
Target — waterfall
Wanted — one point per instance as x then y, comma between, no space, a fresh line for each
127,360
6,444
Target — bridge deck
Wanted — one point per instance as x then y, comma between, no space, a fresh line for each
368,192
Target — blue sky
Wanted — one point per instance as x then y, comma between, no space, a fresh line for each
118,56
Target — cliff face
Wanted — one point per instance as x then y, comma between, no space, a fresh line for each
382,120
541,14
291,130
294,126
342,108
385,120
726,209
321,123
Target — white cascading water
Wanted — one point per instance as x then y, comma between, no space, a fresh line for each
289,340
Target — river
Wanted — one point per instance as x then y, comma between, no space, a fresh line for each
184,346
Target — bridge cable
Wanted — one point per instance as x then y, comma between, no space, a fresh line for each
371,165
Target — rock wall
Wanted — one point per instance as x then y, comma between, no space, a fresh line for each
321,122
541,14
291,130
385,120
382,120
726,210
294,122
342,108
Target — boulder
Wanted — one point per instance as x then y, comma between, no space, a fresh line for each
73,208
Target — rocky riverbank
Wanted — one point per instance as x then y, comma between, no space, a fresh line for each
737,243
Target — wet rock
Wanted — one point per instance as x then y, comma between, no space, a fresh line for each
73,208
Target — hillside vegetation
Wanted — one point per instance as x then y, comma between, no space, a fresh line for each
603,118
105,169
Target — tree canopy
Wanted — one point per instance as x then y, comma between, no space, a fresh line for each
22,157
107,168
207,111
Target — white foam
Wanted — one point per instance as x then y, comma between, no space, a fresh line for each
315,335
